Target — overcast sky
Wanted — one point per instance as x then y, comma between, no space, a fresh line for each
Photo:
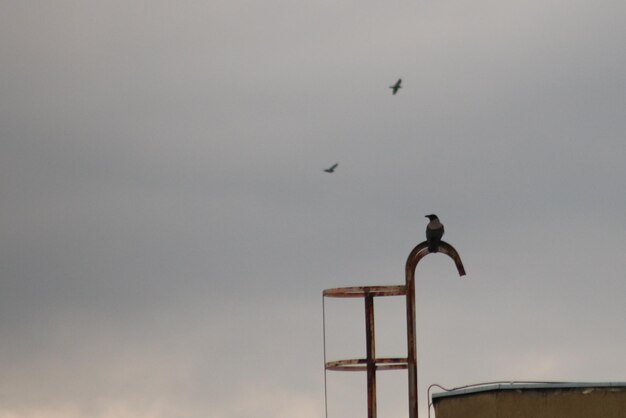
166,229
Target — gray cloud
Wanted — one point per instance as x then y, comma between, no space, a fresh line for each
167,229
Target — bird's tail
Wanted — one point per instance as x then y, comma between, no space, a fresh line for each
433,247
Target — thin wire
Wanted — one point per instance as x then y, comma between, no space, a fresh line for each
324,342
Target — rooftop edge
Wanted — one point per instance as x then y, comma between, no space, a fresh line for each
487,387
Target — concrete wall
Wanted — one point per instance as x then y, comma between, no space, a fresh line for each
590,402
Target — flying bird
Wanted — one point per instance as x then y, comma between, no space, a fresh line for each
396,86
331,169
434,233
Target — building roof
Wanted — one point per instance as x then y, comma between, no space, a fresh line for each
495,386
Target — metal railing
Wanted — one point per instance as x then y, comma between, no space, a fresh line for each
371,364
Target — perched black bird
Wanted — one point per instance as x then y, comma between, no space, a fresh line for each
331,169
434,233
396,86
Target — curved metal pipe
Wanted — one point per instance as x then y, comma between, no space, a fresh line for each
419,252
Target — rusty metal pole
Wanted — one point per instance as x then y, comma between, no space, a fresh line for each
371,364
419,252
370,344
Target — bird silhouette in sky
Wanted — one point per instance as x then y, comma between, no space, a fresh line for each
331,169
396,86
434,233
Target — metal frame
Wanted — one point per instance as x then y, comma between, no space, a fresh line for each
371,364
419,252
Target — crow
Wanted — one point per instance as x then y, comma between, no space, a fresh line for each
331,169
434,233
396,86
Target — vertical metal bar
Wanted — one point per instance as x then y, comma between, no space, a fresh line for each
371,356
410,339
324,342
419,252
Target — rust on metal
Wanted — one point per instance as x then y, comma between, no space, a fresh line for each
359,365
371,364
370,350
361,291
419,252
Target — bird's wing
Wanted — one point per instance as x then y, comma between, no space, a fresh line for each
434,234
334,166
396,86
